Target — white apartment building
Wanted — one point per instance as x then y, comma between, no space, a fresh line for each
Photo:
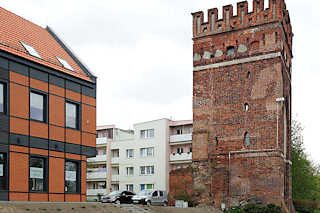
138,159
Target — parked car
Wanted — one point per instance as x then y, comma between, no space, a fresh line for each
118,197
151,197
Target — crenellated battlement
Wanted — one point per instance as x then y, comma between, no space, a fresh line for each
276,11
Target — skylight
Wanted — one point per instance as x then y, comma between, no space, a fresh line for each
65,64
30,50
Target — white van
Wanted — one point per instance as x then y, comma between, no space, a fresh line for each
151,197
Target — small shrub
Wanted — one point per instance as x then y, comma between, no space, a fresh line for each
254,208
305,206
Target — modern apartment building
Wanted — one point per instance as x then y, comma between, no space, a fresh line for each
138,159
47,115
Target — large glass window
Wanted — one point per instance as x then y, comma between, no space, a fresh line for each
147,152
2,91
72,115
3,159
71,177
146,170
147,133
37,106
37,174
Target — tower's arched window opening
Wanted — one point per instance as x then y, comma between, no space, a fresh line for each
230,50
246,139
249,75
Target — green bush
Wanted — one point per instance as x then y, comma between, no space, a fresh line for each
305,206
253,208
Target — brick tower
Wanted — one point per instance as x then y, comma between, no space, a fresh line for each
242,105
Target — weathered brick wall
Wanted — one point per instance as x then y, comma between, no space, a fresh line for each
255,73
180,181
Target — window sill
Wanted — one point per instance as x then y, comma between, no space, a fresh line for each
39,192
43,122
76,129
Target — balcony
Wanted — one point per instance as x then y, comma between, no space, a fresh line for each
115,178
96,175
180,157
181,138
115,160
95,192
98,158
101,141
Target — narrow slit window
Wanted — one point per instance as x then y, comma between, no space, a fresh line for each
65,64
249,75
246,107
2,97
30,49
246,139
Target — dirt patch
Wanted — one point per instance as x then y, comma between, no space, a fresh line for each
169,209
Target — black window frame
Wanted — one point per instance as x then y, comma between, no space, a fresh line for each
78,177
45,174
5,97
78,114
45,105
4,172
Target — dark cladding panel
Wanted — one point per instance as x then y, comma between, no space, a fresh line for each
56,146
20,140
88,151
4,63
18,68
38,143
73,148
4,137
4,123
88,91
56,81
37,74
73,86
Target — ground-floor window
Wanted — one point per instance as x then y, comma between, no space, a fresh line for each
146,186
129,187
37,178
72,177
115,187
3,182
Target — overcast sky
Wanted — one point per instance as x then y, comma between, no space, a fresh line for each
141,52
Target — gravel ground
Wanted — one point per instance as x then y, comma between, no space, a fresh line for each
93,208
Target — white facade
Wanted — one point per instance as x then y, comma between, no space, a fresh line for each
141,158
149,162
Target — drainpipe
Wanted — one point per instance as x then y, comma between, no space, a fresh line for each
278,100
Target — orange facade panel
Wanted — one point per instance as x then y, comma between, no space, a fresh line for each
56,154
19,101
18,78
88,139
73,156
56,90
18,196
57,110
56,198
19,170
56,133
72,197
88,119
19,149
19,126
83,177
88,100
39,197
38,129
73,95
35,151
40,85
56,169
73,136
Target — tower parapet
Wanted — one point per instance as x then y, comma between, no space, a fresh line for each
276,12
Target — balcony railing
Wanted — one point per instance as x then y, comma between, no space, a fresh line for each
181,157
180,138
115,178
101,141
96,175
115,160
96,191
98,158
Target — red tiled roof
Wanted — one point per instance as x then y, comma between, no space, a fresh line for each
15,29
